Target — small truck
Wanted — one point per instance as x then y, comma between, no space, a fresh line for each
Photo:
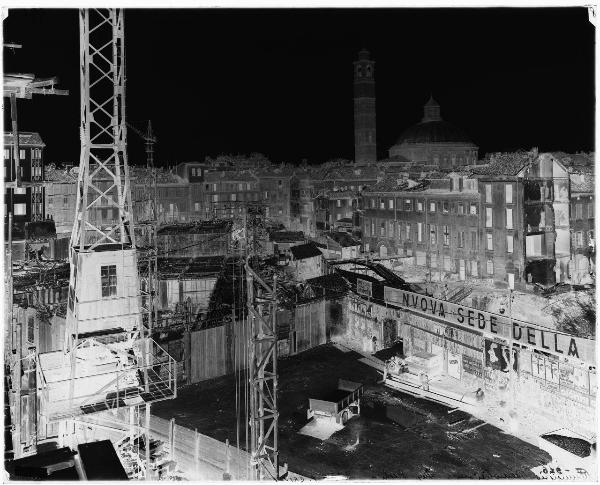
339,405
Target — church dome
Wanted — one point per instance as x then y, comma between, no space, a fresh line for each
433,129
433,132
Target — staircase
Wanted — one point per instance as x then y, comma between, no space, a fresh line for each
459,294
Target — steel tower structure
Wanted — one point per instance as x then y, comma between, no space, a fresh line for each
262,313
103,131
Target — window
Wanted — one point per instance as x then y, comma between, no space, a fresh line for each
215,198
391,232
20,209
408,231
488,217
391,204
22,154
108,278
280,182
338,203
446,236
473,209
197,206
193,172
591,210
419,232
419,205
373,203
382,204
432,234
509,243
445,207
509,218
20,190
474,270
473,240
214,187
337,217
490,266
490,241
508,193
408,205
461,208
233,197
461,239
266,195
578,211
382,229
372,229
579,239
488,193
432,207
6,153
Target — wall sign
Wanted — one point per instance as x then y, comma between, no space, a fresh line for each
495,326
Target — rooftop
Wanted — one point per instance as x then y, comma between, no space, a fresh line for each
305,251
575,161
330,286
54,174
343,239
582,184
186,268
230,176
143,175
286,236
509,164
201,227
26,138
394,185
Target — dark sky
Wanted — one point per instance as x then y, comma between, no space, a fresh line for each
280,81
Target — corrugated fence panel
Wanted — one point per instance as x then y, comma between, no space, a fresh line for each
208,359
239,349
310,325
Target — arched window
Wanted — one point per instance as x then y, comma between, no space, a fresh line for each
368,71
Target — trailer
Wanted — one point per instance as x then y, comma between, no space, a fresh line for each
339,405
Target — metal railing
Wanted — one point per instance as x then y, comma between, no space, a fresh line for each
117,377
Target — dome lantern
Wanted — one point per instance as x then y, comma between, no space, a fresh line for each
431,111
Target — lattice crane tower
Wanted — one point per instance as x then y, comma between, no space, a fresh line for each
102,253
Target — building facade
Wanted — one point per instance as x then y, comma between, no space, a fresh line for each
435,222
25,201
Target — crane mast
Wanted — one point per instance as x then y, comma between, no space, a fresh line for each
109,364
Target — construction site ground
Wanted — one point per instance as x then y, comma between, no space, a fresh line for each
396,436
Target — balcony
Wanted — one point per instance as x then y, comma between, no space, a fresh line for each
108,374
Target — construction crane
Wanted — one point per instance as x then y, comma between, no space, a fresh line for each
149,141
108,326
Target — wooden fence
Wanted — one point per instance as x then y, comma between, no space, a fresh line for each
198,456
218,351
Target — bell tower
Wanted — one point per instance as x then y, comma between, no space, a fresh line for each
365,145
